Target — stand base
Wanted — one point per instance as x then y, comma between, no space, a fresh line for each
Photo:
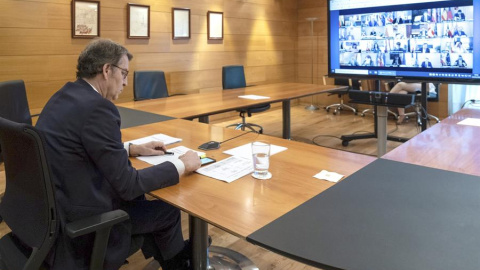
311,107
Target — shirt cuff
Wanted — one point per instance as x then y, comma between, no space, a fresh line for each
179,165
127,148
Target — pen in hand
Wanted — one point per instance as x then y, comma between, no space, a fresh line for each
164,152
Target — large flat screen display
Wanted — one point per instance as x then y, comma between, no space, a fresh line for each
405,39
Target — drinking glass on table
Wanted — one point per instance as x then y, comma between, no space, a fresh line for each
261,160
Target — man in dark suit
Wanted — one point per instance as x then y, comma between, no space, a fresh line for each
426,63
460,62
92,173
425,48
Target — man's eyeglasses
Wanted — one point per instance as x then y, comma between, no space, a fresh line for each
124,71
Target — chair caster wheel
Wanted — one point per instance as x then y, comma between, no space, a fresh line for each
345,143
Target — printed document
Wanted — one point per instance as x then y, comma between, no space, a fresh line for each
177,151
229,169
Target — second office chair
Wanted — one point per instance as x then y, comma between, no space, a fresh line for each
234,77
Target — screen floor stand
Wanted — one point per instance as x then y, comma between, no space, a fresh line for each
380,120
380,132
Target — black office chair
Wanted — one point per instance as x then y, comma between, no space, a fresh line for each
234,77
432,95
352,84
14,104
149,85
29,207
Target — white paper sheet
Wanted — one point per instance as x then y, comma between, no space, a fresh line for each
470,122
246,150
156,137
329,176
229,169
254,97
177,151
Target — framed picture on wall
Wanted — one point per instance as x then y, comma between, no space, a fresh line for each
138,21
85,19
215,25
180,23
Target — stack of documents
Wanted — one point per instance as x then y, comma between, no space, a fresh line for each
236,166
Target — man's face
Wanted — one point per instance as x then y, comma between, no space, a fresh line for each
117,78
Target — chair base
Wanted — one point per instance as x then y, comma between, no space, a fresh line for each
419,118
372,111
340,106
221,258
250,126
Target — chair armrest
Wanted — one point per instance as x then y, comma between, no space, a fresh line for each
95,223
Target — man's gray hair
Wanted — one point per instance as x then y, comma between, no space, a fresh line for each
98,53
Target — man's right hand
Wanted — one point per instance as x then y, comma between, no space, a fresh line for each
191,161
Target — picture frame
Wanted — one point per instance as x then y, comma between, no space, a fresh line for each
181,23
85,19
215,25
138,21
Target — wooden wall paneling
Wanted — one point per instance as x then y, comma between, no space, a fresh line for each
36,45
241,26
157,43
168,62
197,42
244,43
282,43
23,14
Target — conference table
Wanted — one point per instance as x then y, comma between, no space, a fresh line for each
202,105
445,145
247,204
415,208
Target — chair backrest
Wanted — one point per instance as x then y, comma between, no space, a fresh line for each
13,102
352,83
233,77
149,85
28,205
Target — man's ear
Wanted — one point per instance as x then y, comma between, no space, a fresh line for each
106,70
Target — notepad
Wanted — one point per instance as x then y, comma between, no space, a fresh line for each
156,137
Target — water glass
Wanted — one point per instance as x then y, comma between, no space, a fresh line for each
261,160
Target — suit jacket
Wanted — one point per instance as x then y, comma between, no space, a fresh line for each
427,64
91,171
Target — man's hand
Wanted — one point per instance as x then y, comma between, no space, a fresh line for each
153,148
191,161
